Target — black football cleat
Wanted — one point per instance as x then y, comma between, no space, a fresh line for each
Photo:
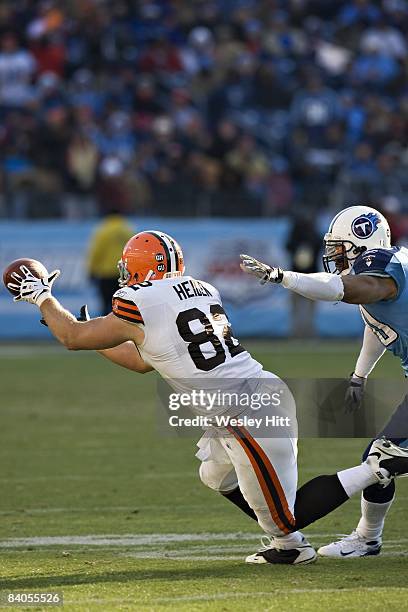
302,554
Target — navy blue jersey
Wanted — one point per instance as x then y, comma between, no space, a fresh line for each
388,318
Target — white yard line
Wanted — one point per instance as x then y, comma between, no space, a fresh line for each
155,540
188,557
121,539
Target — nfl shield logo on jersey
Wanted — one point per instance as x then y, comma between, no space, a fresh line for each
365,225
368,260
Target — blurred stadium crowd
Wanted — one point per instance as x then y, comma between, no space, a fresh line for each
213,107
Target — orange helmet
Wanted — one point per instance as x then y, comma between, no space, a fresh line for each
151,255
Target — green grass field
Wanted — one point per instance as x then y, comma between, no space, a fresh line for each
99,506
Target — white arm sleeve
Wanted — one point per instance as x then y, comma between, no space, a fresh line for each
319,286
370,353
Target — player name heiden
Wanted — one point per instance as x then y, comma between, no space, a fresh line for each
227,421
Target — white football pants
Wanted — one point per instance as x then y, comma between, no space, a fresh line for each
264,468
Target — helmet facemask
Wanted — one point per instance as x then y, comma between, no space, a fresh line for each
124,274
340,255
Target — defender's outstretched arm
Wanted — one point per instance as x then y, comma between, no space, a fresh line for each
361,289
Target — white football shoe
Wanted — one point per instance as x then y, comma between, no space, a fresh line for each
353,545
270,553
387,460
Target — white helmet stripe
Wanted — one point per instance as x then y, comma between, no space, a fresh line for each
170,245
169,249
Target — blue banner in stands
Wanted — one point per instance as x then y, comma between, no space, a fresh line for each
211,249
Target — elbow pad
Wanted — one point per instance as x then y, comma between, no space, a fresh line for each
319,286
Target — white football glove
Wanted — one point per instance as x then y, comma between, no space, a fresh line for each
354,394
263,271
30,288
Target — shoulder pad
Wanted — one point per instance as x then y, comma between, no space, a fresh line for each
130,291
375,260
123,293
125,307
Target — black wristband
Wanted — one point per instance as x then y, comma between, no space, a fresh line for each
279,277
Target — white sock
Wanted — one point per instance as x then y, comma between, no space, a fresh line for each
291,540
373,515
357,478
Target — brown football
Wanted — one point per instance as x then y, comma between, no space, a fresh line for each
35,267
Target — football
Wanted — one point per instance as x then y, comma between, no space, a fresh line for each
33,265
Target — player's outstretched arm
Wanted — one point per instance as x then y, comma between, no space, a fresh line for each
125,355
102,333
113,337
95,334
319,286
353,289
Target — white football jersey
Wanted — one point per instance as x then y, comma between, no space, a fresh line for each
188,337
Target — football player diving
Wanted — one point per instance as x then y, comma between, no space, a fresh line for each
361,267
167,321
